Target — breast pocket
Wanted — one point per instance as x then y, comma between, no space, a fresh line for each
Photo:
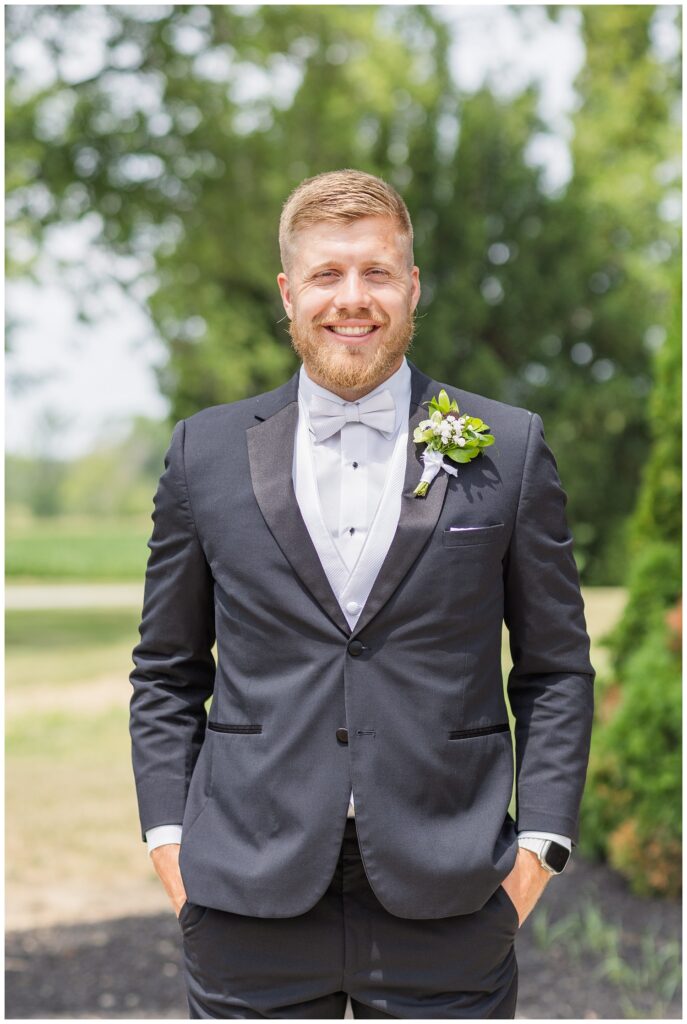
464,536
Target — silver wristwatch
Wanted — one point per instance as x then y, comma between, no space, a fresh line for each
552,856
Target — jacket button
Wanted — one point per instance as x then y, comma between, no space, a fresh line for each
356,647
342,735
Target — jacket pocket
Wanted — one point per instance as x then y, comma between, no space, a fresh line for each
482,730
221,727
468,535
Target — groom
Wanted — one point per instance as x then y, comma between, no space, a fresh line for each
336,822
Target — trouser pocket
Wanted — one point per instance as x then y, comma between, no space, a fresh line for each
190,915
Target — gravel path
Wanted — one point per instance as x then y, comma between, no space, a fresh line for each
622,963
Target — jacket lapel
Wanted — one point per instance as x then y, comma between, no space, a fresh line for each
270,453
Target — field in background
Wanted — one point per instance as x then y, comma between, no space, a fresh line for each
73,847
86,548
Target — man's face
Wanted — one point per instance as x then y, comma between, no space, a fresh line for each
350,297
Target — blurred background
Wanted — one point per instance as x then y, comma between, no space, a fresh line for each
148,152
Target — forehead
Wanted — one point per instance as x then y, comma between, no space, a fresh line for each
363,239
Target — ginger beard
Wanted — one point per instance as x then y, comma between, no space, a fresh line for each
338,364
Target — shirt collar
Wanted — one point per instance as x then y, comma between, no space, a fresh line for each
399,384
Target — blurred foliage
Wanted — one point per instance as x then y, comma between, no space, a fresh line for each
178,152
632,808
118,478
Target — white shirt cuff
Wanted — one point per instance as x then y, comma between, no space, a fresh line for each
563,840
161,835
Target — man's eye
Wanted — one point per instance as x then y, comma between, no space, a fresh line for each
378,270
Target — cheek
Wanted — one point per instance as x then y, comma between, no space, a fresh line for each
312,307
396,302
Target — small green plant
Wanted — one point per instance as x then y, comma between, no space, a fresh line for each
584,935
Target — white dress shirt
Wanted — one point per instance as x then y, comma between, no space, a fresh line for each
353,471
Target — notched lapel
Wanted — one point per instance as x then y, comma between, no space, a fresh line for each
270,453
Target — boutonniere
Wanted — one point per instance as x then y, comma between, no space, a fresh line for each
447,434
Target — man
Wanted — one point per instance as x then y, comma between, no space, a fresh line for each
338,823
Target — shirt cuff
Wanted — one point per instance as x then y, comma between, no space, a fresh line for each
161,835
530,834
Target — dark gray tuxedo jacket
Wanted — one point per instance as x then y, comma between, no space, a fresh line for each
262,782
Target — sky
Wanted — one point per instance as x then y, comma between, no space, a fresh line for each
79,384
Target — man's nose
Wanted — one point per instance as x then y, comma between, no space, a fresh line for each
352,292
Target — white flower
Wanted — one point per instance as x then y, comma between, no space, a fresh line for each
461,442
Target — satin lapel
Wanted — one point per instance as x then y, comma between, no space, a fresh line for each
270,452
418,516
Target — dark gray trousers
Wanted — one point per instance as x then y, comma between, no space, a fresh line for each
348,944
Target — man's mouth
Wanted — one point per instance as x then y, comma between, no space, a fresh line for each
356,332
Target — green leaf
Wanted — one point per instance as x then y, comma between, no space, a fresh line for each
444,401
458,455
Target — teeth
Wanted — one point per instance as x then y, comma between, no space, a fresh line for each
352,331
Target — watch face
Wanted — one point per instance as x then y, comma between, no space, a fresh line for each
557,856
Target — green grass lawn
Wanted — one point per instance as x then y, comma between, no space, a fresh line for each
54,647
71,549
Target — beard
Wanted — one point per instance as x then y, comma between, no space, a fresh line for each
335,364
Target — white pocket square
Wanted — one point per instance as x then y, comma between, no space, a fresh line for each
463,529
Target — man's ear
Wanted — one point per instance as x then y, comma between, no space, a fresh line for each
283,282
416,289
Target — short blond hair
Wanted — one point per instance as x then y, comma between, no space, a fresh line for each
341,197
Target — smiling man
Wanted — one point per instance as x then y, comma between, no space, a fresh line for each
352,299
338,823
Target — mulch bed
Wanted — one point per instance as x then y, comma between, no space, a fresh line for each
131,967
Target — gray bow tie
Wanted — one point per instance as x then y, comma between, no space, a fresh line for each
327,417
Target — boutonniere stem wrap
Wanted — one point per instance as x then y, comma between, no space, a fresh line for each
448,435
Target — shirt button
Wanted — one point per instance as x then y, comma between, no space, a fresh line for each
352,606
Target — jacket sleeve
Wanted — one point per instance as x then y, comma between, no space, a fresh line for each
550,687
175,669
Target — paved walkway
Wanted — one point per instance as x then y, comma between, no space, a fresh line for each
19,596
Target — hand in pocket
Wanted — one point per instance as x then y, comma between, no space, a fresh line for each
166,863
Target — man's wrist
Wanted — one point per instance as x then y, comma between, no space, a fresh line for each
162,835
552,851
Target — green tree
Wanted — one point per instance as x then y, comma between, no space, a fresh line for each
632,810
182,147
